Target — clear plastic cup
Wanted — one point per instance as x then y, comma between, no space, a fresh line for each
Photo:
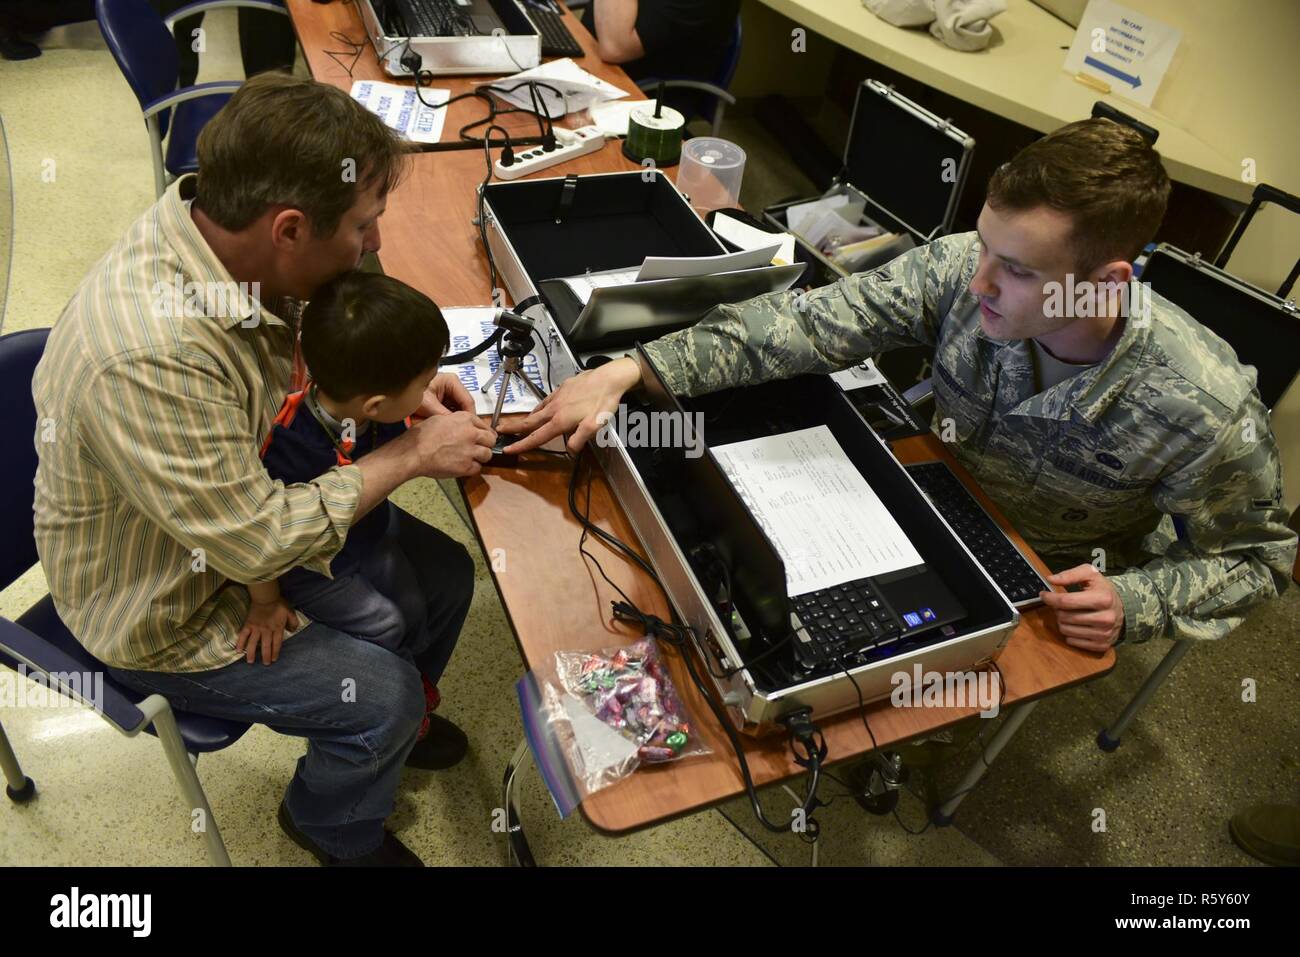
710,173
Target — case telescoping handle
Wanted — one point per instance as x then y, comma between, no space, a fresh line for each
1263,194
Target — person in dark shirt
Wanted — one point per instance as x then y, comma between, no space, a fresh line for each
371,344
664,39
266,40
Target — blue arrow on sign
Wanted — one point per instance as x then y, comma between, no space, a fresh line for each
1133,81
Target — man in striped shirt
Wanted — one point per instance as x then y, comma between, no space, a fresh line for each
158,385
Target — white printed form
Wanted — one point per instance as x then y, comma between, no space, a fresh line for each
825,521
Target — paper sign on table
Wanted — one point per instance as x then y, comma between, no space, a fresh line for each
468,328
859,377
1128,50
400,108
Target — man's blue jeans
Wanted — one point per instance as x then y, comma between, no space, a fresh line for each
358,705
374,602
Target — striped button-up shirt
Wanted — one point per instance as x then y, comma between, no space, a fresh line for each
158,384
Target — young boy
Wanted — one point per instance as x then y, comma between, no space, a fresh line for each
371,344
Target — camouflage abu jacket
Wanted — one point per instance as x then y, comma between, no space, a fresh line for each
1167,424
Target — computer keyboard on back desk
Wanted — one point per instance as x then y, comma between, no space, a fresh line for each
434,18
979,533
556,38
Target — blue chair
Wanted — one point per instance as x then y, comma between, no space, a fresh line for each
39,644
709,91
6,221
141,42
1263,330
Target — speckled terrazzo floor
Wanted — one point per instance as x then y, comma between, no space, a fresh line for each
1193,757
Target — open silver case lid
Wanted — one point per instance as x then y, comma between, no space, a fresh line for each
1262,328
902,177
906,164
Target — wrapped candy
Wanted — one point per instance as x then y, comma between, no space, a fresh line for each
630,691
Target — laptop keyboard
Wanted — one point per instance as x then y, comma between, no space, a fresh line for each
979,533
435,18
836,626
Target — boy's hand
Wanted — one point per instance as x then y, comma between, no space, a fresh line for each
446,393
451,446
264,628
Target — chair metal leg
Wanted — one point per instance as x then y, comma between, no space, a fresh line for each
943,814
718,112
518,853
182,765
156,148
18,786
1108,738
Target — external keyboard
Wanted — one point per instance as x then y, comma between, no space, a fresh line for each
556,38
979,533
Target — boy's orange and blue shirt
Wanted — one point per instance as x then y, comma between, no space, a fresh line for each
304,442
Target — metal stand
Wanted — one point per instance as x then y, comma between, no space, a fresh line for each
18,786
943,814
518,853
1108,739
514,347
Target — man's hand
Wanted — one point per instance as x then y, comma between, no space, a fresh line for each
451,444
1092,618
445,394
264,628
577,404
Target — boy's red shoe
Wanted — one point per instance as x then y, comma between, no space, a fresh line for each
431,701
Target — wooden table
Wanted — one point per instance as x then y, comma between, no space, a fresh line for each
429,239
553,599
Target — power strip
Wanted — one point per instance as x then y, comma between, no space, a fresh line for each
570,144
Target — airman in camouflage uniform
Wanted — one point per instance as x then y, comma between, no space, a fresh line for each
1132,453
1168,423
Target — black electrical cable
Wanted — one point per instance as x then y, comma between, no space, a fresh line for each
475,352
728,604
676,635
356,48
547,349
482,217
545,129
862,711
507,149
545,124
548,134
533,86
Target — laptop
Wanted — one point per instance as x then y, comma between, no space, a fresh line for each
829,630
441,18
640,311
450,37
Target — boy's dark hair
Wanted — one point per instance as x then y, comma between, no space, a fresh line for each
369,334
1104,174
